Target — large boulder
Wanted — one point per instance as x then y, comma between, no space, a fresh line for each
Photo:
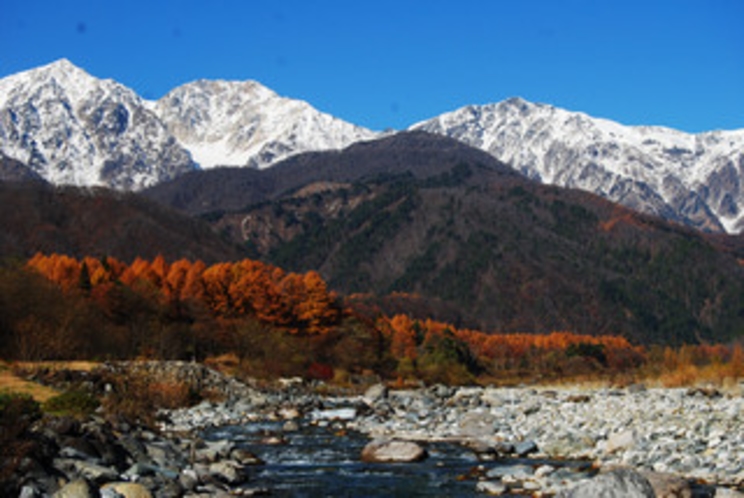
617,483
390,450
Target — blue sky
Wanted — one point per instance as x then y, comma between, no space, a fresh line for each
388,64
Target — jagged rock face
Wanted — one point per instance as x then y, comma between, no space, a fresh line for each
695,179
72,128
232,123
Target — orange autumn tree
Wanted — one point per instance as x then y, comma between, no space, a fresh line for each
247,288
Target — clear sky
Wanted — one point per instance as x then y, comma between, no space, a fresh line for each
388,64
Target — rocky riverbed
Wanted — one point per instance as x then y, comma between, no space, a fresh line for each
471,440
676,438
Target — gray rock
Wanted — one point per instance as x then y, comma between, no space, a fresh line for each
477,424
441,391
525,448
511,472
188,479
28,492
621,441
618,483
385,450
245,457
727,493
492,488
228,472
290,426
144,469
76,447
375,394
90,471
488,449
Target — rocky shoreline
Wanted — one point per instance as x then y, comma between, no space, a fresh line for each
675,442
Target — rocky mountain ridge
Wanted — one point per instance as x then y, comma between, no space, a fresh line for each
695,179
72,128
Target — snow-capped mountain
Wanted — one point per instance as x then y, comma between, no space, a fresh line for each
242,123
697,179
72,128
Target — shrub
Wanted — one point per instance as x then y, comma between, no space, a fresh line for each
172,394
75,402
129,401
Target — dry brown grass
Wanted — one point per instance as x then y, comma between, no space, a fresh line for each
81,366
10,382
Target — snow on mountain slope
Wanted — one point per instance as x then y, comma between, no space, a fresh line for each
242,123
697,179
72,128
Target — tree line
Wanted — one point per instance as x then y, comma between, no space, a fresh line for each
278,323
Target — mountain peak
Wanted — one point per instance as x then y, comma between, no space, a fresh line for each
243,123
693,179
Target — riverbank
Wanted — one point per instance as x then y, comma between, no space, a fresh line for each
677,435
514,441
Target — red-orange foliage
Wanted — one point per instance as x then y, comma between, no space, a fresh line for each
505,350
296,302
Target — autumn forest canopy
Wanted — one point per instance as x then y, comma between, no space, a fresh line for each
278,323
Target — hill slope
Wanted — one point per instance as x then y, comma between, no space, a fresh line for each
420,153
99,222
508,253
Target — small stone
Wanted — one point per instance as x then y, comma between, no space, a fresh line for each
290,413
228,472
375,394
188,479
511,473
621,441
290,426
245,457
491,488
384,450
544,471
525,448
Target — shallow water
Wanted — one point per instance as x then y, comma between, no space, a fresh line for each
325,461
